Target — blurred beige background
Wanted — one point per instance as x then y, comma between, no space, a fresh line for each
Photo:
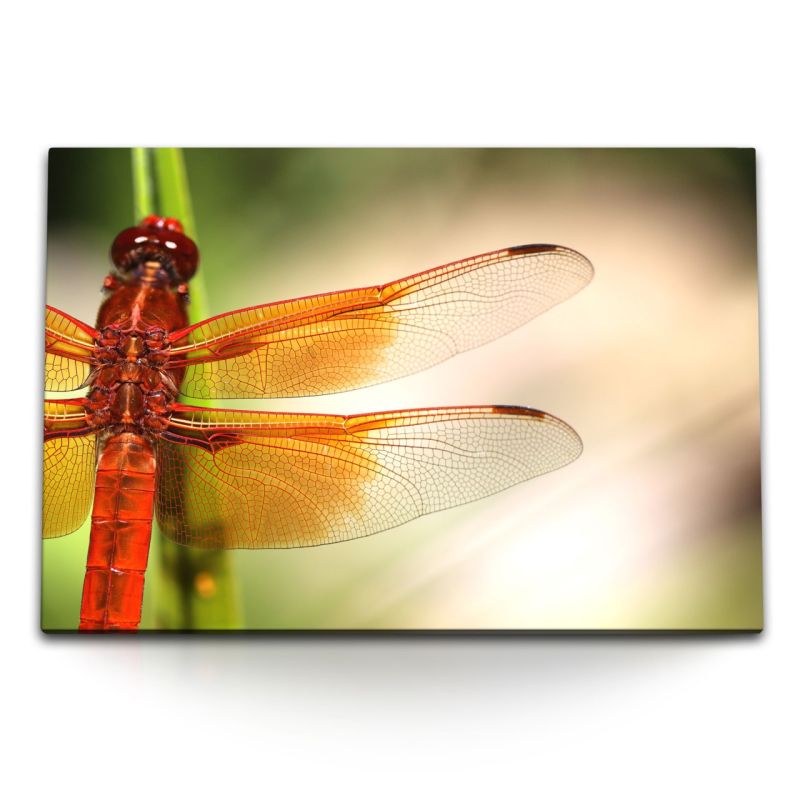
655,364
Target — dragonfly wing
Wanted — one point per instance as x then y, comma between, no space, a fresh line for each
345,340
68,345
241,479
69,468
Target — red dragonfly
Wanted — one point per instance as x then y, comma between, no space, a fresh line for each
246,479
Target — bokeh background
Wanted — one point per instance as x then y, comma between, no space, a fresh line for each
655,364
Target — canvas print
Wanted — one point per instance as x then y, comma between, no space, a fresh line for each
401,390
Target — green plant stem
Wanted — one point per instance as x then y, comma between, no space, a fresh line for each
173,185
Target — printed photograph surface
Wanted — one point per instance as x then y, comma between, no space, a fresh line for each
401,390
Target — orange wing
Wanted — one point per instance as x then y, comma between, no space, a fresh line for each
344,340
258,479
69,466
68,347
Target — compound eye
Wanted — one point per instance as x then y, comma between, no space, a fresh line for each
158,238
126,245
168,233
163,223
183,252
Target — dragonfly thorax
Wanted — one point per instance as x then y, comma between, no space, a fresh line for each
130,386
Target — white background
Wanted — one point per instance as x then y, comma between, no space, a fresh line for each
616,717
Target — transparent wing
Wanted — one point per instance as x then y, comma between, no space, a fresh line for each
252,480
68,347
344,340
69,468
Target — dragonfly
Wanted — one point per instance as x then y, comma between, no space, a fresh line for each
221,478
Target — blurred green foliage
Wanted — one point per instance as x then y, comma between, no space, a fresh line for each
301,186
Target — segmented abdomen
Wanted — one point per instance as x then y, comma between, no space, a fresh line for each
120,538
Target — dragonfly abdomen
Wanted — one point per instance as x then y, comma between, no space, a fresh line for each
120,537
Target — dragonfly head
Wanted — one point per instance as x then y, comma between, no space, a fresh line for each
155,241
